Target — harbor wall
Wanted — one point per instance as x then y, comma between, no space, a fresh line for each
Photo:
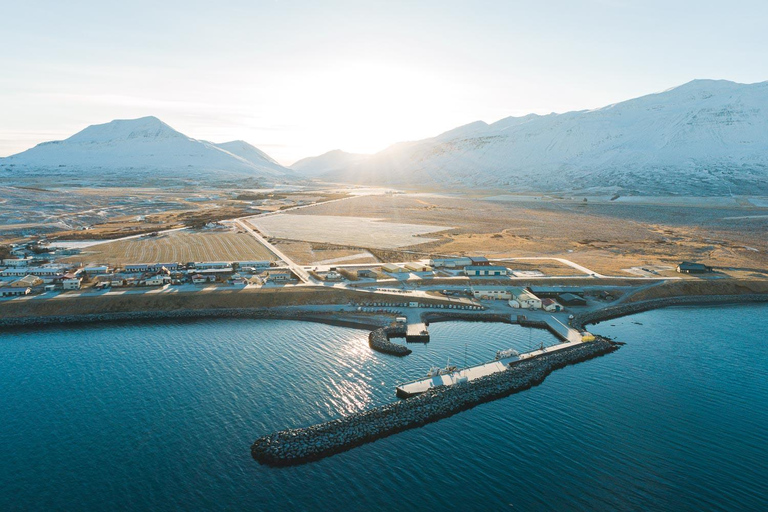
378,340
301,445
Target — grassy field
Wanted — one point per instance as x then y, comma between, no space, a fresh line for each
607,237
178,246
306,253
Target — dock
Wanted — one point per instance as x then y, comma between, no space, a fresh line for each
419,386
417,333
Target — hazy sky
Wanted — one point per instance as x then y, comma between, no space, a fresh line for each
298,78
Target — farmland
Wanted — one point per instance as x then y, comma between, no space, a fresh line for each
177,246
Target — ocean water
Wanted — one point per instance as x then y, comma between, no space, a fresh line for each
160,416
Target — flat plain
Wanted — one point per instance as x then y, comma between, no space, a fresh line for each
177,246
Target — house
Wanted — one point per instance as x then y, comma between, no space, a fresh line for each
687,267
550,305
135,268
35,271
238,280
157,280
209,265
71,282
522,298
492,293
26,282
333,276
393,269
14,292
366,273
16,262
485,270
418,267
450,262
253,264
92,271
479,261
570,299
201,279
279,275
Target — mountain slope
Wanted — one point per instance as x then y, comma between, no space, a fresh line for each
145,146
332,161
704,137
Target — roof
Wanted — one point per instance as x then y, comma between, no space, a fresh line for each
476,259
692,266
568,297
486,267
556,289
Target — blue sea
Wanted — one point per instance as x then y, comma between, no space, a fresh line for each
161,416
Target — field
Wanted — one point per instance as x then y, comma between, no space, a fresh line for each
606,237
177,246
307,253
343,230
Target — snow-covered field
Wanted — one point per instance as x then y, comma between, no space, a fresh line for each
354,231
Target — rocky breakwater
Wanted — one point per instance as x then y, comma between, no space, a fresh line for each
298,446
379,340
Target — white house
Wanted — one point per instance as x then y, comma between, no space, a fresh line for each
71,283
522,298
158,280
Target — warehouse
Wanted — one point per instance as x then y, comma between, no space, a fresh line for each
522,298
392,268
687,267
450,262
418,267
491,270
491,293
553,292
570,299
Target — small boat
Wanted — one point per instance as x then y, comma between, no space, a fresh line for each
435,371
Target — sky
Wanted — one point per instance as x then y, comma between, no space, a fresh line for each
299,78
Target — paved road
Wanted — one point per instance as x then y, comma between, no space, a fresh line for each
297,269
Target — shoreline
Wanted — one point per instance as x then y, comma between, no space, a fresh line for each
364,321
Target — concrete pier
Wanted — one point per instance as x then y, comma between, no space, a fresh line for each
417,333
301,445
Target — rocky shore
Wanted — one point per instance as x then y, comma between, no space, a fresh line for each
630,308
379,340
298,446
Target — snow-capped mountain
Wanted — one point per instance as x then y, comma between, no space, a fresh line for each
144,146
336,160
706,137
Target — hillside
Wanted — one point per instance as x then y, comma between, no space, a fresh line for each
332,161
147,148
706,137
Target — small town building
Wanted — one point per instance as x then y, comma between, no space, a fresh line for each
393,269
279,275
450,262
687,267
238,280
485,270
418,267
333,276
204,265
14,292
157,280
366,273
253,264
92,271
550,305
553,292
570,299
71,282
27,282
491,293
34,271
17,262
479,261
522,298
202,279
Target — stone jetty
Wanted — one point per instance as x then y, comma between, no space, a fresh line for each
379,340
301,445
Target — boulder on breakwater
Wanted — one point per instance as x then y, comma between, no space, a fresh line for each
379,340
298,446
